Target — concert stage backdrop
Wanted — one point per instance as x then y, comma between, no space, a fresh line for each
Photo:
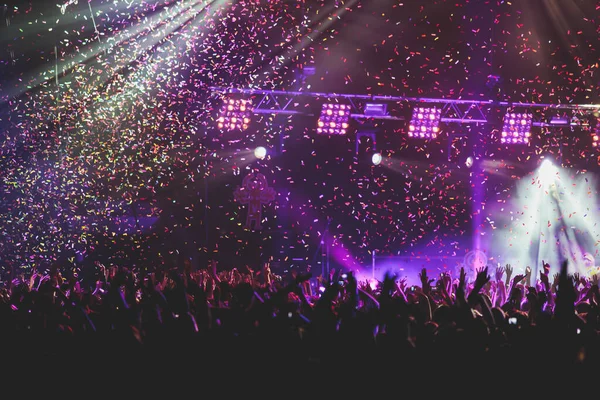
111,149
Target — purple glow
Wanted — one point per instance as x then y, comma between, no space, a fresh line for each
516,128
596,133
425,123
234,114
334,119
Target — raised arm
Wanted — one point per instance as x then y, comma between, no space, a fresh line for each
481,279
509,272
213,271
500,296
425,281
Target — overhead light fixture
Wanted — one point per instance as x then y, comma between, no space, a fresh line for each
334,119
260,152
234,114
375,110
596,134
516,128
376,158
559,120
425,122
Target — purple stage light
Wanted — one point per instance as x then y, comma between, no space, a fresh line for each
516,128
425,122
334,119
234,114
596,134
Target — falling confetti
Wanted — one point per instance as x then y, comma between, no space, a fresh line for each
110,146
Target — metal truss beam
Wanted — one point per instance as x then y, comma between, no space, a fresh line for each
458,111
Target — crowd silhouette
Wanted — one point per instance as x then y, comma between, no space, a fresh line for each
210,325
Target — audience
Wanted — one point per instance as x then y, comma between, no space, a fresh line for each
208,326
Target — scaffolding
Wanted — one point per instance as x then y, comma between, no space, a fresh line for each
459,111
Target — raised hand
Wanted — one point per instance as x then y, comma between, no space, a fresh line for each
32,279
545,268
576,278
595,280
213,267
364,286
446,280
509,272
528,275
402,284
425,282
556,278
499,273
482,278
445,285
518,279
462,278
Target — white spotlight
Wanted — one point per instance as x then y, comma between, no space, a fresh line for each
376,158
546,164
260,152
469,162
547,173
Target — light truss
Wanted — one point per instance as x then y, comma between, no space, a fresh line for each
453,110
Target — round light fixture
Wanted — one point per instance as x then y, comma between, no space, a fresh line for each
260,152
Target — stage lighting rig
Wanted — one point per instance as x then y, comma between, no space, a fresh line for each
234,114
425,122
516,128
334,119
560,120
595,133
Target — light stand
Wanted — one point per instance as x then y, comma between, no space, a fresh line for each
324,249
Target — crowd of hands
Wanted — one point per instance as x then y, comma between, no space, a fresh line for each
490,318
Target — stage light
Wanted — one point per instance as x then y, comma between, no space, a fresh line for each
516,128
546,164
375,110
373,284
559,120
425,122
334,119
234,114
376,158
596,134
469,162
547,173
260,152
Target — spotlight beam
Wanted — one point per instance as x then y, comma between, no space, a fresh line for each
589,225
162,24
